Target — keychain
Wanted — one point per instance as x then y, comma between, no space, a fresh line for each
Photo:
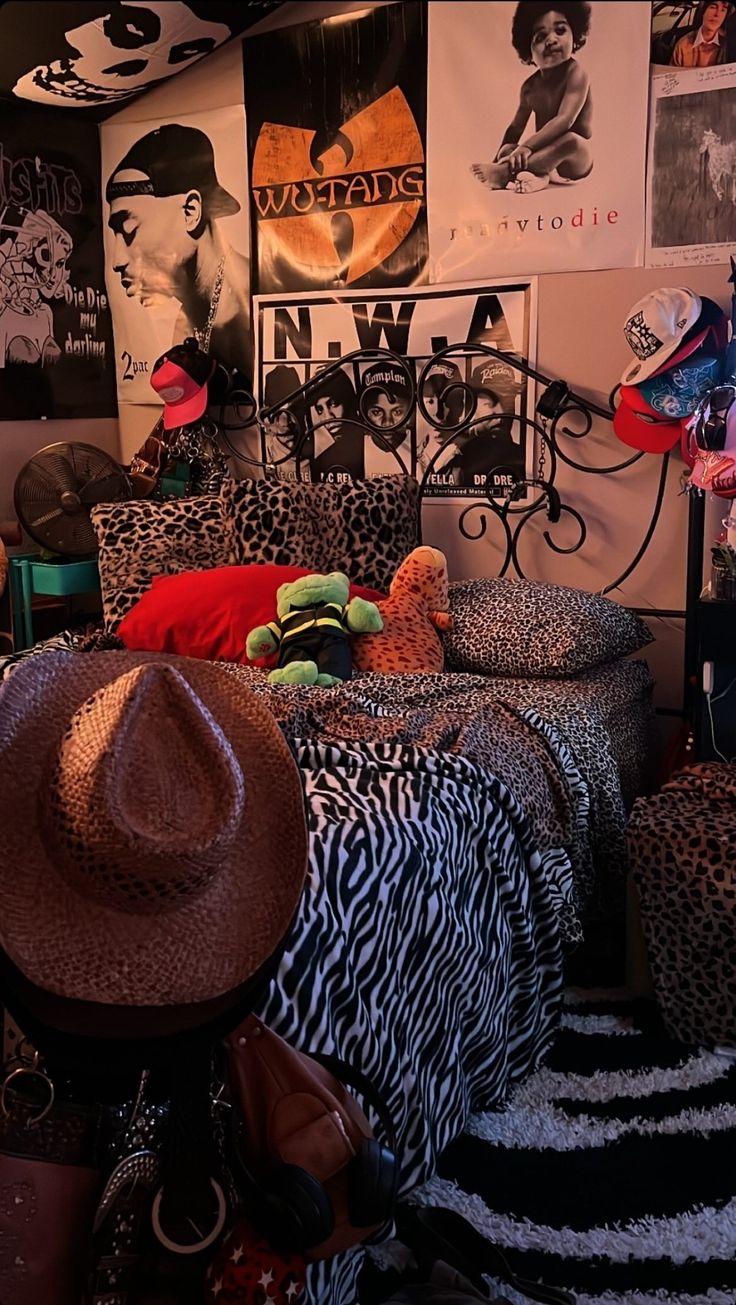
24,1066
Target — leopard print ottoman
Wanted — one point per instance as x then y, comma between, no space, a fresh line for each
681,848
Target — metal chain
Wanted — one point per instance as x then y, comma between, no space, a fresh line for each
542,450
203,337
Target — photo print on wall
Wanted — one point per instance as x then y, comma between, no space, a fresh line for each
298,337
176,241
532,164
698,35
56,351
691,209
336,114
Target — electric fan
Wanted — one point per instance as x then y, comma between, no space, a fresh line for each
56,489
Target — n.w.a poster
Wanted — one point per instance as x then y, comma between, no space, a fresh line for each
336,114
300,338
537,131
55,329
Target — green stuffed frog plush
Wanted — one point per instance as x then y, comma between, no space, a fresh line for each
315,616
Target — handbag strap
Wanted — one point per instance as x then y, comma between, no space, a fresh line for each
355,1078
434,1233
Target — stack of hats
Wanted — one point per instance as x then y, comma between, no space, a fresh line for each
679,341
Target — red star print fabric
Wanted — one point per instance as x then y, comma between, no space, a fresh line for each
248,1271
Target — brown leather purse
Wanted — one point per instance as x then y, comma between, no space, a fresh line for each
318,1179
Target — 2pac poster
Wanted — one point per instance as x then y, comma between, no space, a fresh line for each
299,336
175,214
537,133
55,329
336,114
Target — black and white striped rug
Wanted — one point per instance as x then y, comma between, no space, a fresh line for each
612,1170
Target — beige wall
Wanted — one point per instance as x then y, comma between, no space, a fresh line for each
580,339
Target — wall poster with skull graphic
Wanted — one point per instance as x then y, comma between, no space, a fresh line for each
94,55
56,355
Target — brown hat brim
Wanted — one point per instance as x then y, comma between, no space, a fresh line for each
76,946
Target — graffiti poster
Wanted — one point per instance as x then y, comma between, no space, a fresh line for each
299,337
336,142
176,241
533,164
56,356
691,209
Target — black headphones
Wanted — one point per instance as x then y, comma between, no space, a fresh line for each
293,1209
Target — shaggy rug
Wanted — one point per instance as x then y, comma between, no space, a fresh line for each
612,1170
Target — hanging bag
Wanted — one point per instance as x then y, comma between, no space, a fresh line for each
319,1180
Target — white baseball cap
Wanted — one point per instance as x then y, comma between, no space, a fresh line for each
655,327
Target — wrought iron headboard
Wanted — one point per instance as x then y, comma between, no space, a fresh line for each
561,415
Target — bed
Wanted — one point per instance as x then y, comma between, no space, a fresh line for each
464,827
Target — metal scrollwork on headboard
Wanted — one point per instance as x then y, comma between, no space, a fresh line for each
385,413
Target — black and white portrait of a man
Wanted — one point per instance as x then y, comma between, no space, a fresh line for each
176,240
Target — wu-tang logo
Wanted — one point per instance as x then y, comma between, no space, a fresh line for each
380,186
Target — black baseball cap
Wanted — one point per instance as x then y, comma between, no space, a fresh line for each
174,159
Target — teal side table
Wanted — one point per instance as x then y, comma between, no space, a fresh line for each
29,575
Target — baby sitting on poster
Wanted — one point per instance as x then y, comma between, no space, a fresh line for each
558,94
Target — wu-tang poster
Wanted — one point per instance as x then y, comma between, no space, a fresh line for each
336,113
322,435
55,328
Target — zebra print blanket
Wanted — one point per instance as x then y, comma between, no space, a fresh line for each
426,950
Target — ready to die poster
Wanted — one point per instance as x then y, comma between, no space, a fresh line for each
336,114
537,130
56,355
175,214
299,336
691,212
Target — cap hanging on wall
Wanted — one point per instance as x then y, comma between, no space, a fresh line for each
180,378
655,329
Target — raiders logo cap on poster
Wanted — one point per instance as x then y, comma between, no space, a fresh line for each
180,378
655,328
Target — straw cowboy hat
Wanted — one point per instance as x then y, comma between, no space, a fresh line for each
153,843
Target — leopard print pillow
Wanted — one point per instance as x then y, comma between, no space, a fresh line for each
142,539
365,529
532,629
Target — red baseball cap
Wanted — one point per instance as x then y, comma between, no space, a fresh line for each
180,378
638,425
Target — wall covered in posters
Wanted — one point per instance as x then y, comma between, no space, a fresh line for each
176,241
537,132
56,357
336,114
298,336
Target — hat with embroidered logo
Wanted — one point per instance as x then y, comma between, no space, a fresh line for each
655,329
675,392
709,332
637,424
180,378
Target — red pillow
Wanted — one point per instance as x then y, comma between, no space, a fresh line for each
209,614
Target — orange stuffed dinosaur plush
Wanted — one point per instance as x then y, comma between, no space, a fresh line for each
416,608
